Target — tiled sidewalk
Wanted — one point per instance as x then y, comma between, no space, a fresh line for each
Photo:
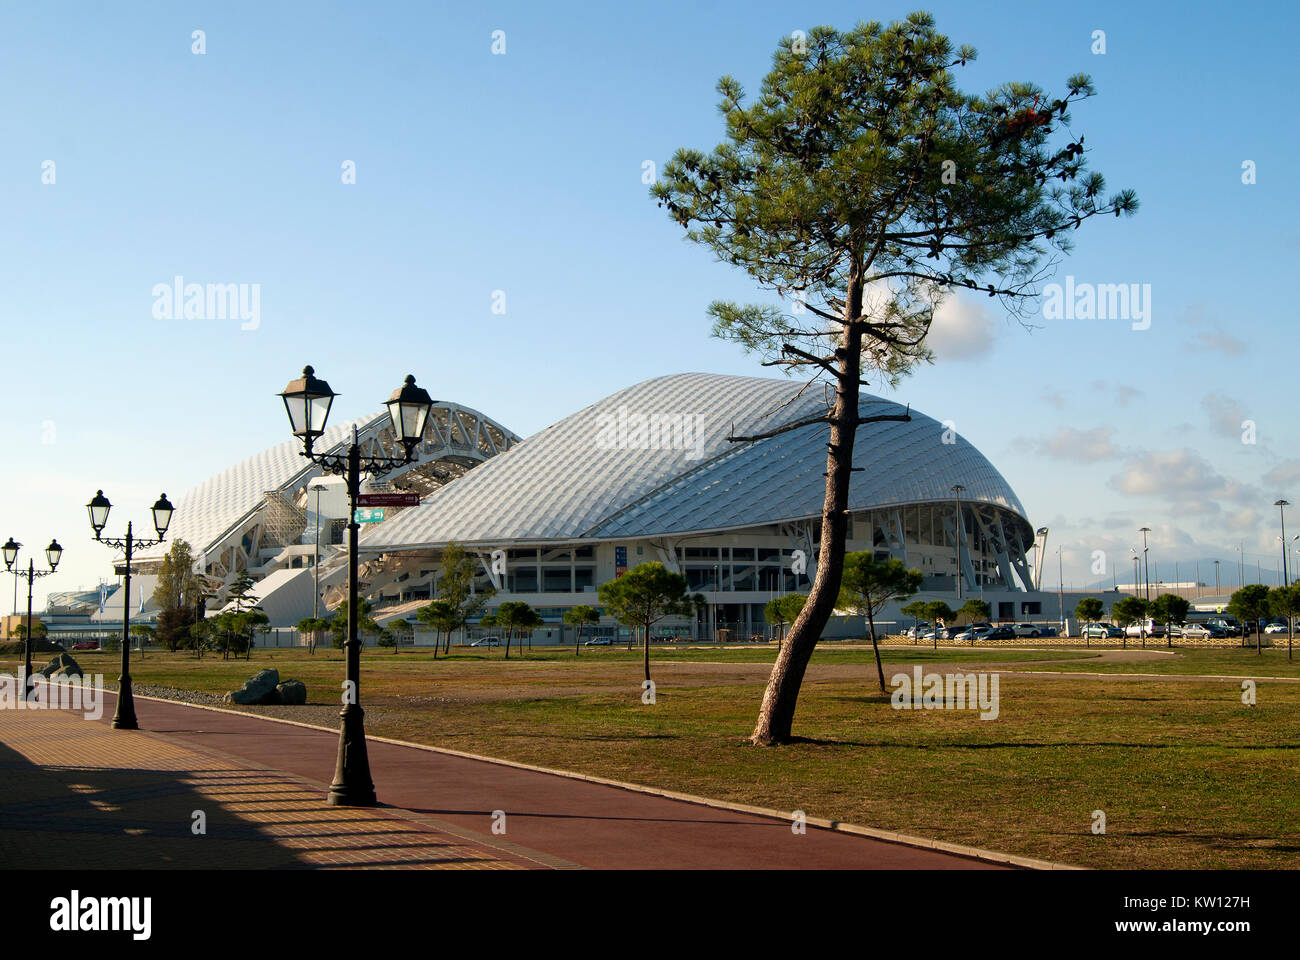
78,794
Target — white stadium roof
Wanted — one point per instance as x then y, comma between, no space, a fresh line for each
224,500
570,482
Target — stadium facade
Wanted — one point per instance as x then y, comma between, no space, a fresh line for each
648,473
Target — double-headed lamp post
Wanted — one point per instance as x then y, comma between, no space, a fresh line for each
307,401
124,718
53,553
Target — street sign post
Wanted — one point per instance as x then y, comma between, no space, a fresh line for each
388,500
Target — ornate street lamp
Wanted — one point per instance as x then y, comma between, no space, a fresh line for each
307,400
53,553
98,508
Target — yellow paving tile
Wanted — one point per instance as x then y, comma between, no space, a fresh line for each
79,794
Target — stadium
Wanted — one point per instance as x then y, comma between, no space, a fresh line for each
649,473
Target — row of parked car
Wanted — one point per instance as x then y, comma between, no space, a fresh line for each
978,631
1208,630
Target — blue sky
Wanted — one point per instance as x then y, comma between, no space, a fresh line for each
522,173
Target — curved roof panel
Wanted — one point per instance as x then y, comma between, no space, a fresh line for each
207,511
654,458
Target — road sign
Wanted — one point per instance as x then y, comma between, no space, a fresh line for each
388,500
369,514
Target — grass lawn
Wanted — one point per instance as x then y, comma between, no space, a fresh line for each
1186,774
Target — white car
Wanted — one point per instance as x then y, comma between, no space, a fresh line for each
1275,628
1028,630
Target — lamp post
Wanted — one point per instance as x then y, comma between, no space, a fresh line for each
1216,578
53,553
307,401
315,604
957,489
1146,565
124,718
1060,588
1281,510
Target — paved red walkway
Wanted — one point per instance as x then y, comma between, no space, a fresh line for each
587,824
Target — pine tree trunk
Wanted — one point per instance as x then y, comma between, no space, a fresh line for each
871,625
776,715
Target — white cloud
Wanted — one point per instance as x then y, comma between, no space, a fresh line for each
1088,446
1182,476
1225,414
960,331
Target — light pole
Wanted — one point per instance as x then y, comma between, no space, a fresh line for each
1281,510
124,718
1146,566
315,605
957,489
1216,578
53,553
1060,589
307,401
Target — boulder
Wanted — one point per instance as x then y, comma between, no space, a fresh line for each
259,688
292,692
61,666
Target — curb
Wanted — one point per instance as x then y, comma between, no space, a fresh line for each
838,826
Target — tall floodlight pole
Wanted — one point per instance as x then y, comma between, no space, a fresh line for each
1146,566
124,718
957,491
53,553
1216,578
307,401
315,606
1060,588
1281,509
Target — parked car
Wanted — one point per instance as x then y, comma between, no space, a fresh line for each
1004,632
1230,627
84,644
1201,631
598,642
487,642
1100,631
1275,628
918,630
1028,630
